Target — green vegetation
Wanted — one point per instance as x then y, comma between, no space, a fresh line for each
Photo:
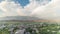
32,27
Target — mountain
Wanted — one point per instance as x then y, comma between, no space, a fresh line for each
19,18
23,19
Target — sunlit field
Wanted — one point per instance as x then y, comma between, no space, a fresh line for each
10,27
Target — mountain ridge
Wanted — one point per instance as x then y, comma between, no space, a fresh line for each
19,18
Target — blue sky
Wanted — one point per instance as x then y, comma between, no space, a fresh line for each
25,2
22,2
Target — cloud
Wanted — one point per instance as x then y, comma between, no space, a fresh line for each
10,8
34,4
41,9
49,11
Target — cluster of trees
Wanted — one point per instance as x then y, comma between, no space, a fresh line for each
41,28
45,29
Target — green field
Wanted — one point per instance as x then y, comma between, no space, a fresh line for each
41,27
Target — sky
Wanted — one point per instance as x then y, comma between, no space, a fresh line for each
45,9
22,2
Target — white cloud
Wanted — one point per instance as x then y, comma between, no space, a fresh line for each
10,8
34,4
44,10
49,11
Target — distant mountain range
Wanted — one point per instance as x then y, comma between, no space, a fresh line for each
24,19
19,18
